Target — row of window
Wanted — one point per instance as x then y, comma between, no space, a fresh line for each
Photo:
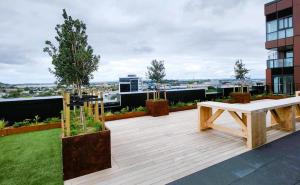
280,28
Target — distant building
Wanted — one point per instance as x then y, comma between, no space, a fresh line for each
283,43
131,83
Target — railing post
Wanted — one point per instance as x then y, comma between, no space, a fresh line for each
102,111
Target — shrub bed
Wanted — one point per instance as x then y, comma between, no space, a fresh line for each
29,125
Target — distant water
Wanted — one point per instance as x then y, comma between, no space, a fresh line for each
35,85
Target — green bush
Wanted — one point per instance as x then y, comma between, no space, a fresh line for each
141,109
2,124
125,110
109,113
26,122
52,120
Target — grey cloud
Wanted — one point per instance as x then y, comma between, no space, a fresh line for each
131,32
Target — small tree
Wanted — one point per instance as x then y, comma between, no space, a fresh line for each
156,73
73,59
240,72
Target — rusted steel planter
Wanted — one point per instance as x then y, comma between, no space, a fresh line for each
84,154
183,108
125,116
158,108
25,129
241,97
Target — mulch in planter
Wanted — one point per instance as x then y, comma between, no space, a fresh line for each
84,154
158,108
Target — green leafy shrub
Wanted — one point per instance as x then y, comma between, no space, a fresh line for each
141,109
2,124
117,112
52,120
109,113
125,110
36,119
26,122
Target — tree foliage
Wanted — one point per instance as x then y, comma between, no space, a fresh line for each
240,70
156,71
73,60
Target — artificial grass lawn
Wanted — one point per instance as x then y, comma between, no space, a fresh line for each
32,158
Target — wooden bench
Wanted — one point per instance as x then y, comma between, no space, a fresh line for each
251,118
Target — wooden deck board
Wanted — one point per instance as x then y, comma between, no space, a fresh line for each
148,150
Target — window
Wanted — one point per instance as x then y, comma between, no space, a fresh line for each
279,29
289,32
290,22
289,54
272,26
281,24
281,34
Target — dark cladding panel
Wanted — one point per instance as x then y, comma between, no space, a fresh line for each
13,111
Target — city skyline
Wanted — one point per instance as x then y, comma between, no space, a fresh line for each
197,39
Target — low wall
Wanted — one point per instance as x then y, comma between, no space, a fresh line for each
18,109
185,95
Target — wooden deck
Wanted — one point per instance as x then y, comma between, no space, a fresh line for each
148,150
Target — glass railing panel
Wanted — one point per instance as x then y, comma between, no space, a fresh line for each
288,62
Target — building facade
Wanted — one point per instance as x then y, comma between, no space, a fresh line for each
131,83
283,45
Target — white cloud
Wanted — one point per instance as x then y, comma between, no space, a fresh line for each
196,38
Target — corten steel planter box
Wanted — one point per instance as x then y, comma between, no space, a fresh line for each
241,97
158,107
84,154
125,116
25,129
183,108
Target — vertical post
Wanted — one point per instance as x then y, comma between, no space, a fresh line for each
147,95
62,125
204,113
154,95
67,113
165,92
102,111
287,118
90,104
256,129
96,108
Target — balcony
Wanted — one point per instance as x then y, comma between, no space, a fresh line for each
280,63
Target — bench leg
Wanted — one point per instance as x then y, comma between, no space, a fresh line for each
297,111
287,118
204,114
256,129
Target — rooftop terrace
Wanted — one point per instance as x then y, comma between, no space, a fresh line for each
159,150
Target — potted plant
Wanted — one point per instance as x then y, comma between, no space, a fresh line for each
240,72
85,148
157,106
85,139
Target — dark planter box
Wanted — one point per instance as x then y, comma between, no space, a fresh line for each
84,154
25,129
241,97
125,116
158,108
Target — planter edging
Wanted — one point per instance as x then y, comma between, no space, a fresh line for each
26,129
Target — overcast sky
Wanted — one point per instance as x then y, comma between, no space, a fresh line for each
196,38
